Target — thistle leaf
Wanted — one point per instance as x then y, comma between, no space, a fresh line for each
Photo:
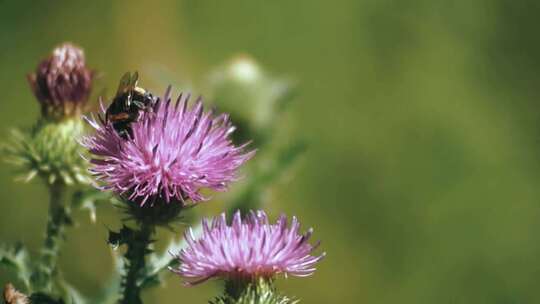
158,264
88,199
17,258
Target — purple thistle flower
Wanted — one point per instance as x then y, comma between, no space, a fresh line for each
62,82
173,152
248,249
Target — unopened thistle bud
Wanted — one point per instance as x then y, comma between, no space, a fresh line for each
62,82
50,149
253,96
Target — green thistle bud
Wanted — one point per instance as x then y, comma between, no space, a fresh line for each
51,150
252,96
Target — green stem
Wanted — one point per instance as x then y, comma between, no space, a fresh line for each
58,218
138,248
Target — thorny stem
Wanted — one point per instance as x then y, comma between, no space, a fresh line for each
58,218
138,248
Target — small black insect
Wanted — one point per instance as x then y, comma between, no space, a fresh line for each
128,104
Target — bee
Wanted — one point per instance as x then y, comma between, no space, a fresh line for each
128,105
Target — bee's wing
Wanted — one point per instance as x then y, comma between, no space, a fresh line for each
128,82
134,80
125,83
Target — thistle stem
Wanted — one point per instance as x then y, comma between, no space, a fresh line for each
42,279
138,248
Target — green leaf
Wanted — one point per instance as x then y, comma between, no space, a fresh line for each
110,292
123,236
88,199
158,264
17,258
72,295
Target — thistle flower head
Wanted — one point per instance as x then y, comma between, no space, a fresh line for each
172,153
248,249
61,82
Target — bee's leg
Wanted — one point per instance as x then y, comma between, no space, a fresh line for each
139,104
122,129
129,132
123,133
126,133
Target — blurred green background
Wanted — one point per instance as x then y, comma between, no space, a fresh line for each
422,118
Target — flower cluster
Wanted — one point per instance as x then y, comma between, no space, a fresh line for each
248,249
156,155
175,151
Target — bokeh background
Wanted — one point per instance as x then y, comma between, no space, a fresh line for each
422,119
